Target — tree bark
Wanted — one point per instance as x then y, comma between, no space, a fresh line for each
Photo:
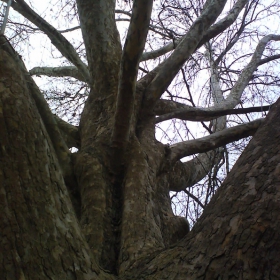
40,234
237,236
122,226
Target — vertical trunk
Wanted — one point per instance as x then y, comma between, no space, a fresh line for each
40,236
99,194
148,223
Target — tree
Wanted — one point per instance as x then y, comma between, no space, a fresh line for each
104,212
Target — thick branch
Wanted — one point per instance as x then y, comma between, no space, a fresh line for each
197,168
214,140
58,40
234,39
65,71
234,97
184,50
241,223
183,175
213,31
164,106
70,133
101,39
133,48
268,59
198,114
224,23
159,52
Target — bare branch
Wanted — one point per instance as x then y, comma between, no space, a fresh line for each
164,106
198,114
58,40
102,44
161,51
70,29
268,59
233,98
187,46
123,12
65,71
213,31
236,92
224,23
194,198
235,38
214,140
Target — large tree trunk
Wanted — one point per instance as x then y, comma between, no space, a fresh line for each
237,237
126,225
40,234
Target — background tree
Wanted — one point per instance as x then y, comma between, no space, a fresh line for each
105,209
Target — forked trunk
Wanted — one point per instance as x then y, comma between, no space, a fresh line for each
126,225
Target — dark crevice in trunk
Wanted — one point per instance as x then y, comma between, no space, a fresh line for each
116,218
114,203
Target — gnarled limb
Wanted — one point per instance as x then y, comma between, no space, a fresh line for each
62,152
183,175
164,106
36,211
234,216
159,52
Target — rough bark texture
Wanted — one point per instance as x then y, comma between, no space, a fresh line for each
40,235
119,224
237,236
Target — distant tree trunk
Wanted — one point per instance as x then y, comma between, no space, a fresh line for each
125,226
